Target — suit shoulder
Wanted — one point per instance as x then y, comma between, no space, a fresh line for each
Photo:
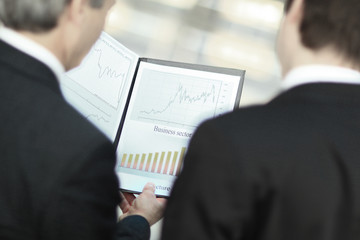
266,127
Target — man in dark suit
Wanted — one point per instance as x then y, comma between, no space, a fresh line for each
57,178
290,169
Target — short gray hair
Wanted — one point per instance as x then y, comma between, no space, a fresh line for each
35,15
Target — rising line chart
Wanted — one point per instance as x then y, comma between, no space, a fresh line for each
173,99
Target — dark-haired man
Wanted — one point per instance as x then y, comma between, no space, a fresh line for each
290,169
57,179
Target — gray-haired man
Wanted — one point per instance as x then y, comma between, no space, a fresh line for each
57,177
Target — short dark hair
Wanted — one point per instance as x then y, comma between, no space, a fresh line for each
35,15
334,23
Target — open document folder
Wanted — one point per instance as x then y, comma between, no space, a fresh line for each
149,108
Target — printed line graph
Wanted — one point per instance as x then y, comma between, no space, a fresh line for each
98,118
106,80
183,97
99,87
175,99
107,71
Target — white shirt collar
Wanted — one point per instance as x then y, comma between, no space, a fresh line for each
320,73
33,49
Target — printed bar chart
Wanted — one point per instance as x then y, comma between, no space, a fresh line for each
168,163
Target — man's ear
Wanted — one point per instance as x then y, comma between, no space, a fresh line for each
295,13
76,10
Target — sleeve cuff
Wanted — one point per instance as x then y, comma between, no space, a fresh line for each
134,227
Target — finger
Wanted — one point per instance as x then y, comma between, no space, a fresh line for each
126,201
163,201
149,187
129,197
124,204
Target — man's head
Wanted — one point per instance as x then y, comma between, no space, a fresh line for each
35,15
68,28
327,24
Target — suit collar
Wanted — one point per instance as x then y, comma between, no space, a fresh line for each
27,65
33,49
320,74
322,91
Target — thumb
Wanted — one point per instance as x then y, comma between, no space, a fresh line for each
149,188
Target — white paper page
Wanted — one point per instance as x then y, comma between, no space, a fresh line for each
166,106
99,87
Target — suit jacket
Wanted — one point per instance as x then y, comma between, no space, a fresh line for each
287,170
57,178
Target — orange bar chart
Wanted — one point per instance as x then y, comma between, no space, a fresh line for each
165,162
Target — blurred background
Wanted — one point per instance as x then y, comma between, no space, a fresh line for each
228,33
